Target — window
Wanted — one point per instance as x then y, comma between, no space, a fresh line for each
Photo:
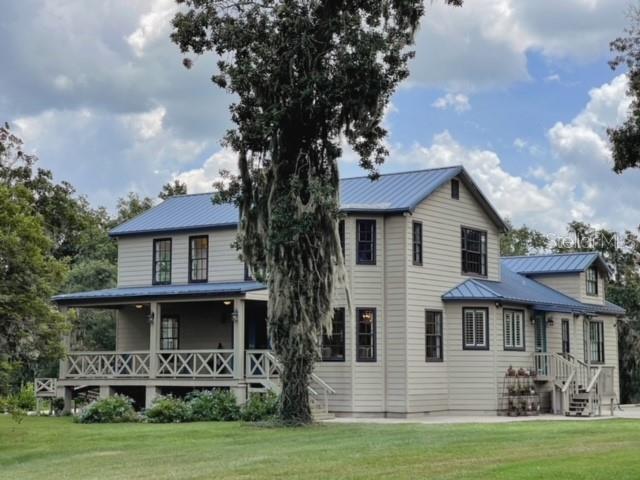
162,261
169,333
455,189
566,343
433,335
341,234
366,244
417,243
596,341
592,281
475,329
474,252
199,258
333,344
513,321
366,334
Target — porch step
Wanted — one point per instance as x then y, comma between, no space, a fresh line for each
320,415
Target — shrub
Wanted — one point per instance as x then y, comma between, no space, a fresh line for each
57,404
4,404
25,399
260,407
115,409
168,409
217,405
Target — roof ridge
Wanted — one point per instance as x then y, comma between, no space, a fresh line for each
405,172
507,257
481,285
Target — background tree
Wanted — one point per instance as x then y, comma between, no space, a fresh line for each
131,206
522,241
173,188
304,73
625,139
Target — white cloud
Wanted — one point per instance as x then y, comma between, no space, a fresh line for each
199,180
146,125
152,25
520,144
458,101
485,44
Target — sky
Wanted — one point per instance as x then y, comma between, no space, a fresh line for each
517,91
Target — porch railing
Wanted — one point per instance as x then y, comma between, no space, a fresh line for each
45,387
195,363
108,364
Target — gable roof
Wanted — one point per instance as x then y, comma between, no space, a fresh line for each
392,193
555,263
516,288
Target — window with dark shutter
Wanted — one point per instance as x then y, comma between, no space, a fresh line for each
417,243
592,281
366,242
161,261
455,189
474,252
198,258
433,336
366,334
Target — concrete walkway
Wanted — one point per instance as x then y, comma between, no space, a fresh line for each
628,411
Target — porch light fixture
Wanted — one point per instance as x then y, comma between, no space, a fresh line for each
151,317
550,321
227,302
139,306
498,304
234,316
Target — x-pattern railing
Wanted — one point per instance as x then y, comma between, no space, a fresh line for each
195,363
45,387
108,364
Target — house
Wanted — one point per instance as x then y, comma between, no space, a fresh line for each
438,321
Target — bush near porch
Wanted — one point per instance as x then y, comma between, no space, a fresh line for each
57,448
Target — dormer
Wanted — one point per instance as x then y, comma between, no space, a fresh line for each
581,275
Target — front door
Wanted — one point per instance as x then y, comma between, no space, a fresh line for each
540,325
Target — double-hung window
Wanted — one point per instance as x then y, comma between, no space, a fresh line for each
366,334
433,335
170,333
366,242
566,339
333,343
474,252
475,328
162,261
596,341
592,281
513,321
199,258
455,189
341,235
417,243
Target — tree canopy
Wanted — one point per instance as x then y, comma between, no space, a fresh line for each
306,75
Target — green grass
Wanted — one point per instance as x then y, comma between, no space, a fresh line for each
56,448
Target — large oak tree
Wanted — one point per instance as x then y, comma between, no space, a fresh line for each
307,75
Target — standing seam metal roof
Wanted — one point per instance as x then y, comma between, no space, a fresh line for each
552,263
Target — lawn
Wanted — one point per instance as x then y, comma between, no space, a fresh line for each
56,448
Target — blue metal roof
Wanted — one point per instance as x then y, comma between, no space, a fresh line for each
157,291
390,193
517,288
553,263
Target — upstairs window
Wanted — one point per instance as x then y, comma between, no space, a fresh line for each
162,261
341,235
433,335
333,344
417,243
366,242
566,340
513,323
592,281
455,189
475,328
199,258
474,252
366,334
169,333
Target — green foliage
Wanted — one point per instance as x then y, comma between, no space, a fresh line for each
114,409
260,408
131,206
168,409
172,189
307,75
25,399
522,241
217,405
625,138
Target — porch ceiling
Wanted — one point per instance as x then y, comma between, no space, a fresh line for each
157,292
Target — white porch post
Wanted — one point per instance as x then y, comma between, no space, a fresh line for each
150,393
154,335
66,343
238,340
105,391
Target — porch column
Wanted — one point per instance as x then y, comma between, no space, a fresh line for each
238,340
154,334
105,391
150,393
66,343
65,393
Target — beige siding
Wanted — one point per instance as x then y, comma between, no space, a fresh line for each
135,257
132,329
574,285
595,299
442,218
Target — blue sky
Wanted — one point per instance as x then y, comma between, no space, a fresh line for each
517,91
